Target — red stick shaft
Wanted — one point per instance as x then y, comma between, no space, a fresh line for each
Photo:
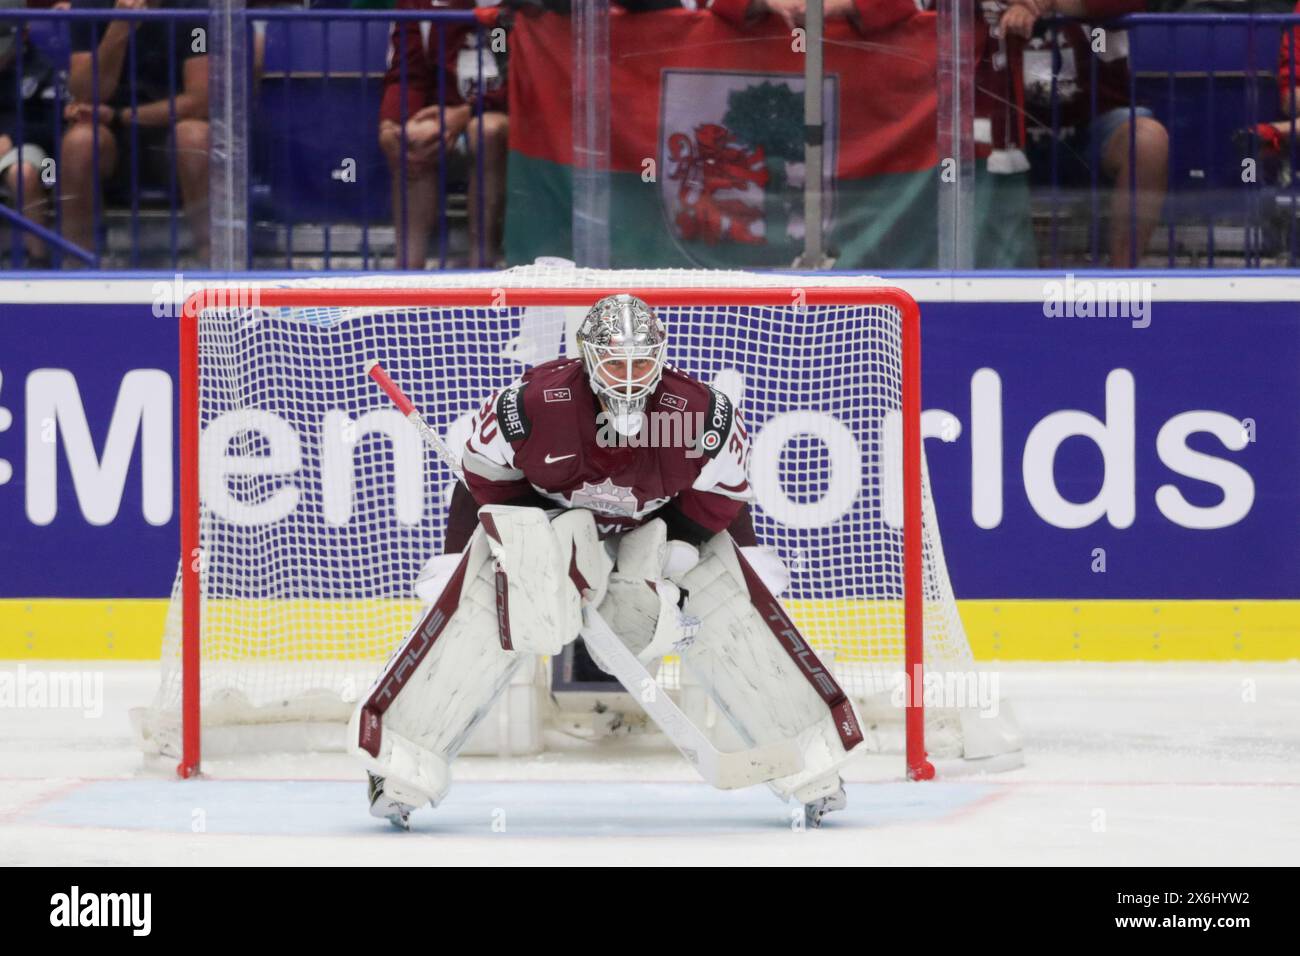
391,389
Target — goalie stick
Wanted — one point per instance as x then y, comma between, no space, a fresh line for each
724,770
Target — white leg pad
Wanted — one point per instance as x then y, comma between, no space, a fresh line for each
760,671
438,684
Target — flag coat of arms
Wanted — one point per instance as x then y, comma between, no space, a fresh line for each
732,157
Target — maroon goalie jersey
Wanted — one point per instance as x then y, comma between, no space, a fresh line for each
539,441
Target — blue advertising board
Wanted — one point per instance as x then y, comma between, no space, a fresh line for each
1072,456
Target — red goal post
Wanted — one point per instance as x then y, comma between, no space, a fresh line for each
787,297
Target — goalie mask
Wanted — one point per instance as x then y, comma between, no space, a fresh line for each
623,351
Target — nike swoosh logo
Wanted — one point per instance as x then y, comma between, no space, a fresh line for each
550,461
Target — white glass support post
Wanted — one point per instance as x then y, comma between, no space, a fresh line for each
591,73
814,244
229,83
956,139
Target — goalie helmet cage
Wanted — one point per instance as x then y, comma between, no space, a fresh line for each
272,610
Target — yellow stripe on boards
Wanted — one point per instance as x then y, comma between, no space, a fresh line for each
131,629
81,629
1133,630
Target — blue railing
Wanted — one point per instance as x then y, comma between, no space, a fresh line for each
319,193
270,141
1201,75
60,41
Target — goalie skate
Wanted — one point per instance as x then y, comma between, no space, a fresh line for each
385,804
815,810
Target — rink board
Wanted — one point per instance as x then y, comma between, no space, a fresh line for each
88,559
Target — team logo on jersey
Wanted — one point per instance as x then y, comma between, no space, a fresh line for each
510,413
673,401
717,423
557,395
605,498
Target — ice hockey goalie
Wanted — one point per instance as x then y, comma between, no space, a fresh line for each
608,478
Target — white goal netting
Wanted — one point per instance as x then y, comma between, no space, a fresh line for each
320,505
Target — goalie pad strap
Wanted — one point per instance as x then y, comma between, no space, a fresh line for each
575,574
490,526
793,643
503,610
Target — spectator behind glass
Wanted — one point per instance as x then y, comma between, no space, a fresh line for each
1272,141
428,129
155,76
33,97
1275,136
1109,130
1288,72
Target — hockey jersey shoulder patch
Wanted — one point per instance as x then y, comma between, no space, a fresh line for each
717,423
514,422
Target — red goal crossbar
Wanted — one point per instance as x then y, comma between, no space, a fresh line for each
918,766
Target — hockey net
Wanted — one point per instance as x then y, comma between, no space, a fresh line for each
312,505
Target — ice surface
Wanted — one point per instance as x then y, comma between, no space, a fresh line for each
1141,764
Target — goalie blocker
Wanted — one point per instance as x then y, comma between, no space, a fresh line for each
518,589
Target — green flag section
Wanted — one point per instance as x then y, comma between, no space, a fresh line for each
706,145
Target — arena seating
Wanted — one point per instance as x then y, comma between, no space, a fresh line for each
319,94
